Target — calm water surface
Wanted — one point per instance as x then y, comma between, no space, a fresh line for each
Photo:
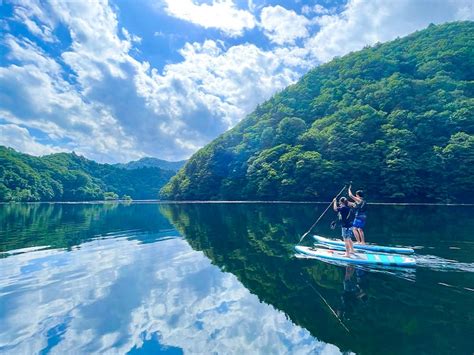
223,278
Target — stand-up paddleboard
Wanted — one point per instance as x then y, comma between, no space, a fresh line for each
339,245
366,258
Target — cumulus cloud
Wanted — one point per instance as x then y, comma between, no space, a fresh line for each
35,19
283,26
364,23
230,82
131,107
221,14
126,105
20,139
52,105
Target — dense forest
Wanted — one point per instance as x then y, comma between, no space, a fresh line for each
397,119
69,177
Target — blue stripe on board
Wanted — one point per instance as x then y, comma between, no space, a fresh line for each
398,259
370,257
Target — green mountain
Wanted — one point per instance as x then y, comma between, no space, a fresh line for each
149,162
397,119
69,177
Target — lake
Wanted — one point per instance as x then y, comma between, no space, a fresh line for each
223,278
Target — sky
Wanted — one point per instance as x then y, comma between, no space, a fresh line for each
119,80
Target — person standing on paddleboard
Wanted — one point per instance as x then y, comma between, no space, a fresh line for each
360,207
344,215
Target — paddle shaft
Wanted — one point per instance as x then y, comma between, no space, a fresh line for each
314,224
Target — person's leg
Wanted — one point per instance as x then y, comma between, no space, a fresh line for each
345,233
351,246
356,234
355,229
360,228
348,247
362,236
351,243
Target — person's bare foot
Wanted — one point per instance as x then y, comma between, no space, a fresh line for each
347,255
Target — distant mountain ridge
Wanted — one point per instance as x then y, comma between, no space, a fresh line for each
149,162
70,177
397,119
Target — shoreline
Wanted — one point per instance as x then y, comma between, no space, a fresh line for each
229,202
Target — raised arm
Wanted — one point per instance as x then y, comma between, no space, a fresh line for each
352,196
334,205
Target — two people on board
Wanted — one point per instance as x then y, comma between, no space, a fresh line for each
344,210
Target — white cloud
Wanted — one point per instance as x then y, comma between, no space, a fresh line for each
96,48
212,88
51,104
235,80
364,23
316,9
20,139
125,105
283,26
221,14
34,18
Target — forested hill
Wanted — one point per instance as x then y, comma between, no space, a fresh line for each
150,162
69,177
397,119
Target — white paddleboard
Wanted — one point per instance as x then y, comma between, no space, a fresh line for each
366,258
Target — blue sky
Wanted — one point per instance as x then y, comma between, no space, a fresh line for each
118,80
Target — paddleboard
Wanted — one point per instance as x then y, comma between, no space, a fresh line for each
366,258
339,244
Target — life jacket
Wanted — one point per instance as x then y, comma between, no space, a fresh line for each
361,208
344,221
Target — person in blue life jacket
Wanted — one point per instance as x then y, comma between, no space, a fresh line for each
360,207
344,214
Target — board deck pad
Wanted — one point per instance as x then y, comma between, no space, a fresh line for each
366,258
339,244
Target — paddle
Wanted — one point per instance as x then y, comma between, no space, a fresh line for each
314,224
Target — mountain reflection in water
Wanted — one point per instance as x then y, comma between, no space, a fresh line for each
133,291
223,278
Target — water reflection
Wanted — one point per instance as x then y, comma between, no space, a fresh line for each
138,289
355,281
255,242
67,225
223,278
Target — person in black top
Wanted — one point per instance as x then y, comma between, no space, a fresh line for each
344,214
360,207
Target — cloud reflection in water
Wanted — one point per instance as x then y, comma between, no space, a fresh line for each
116,295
